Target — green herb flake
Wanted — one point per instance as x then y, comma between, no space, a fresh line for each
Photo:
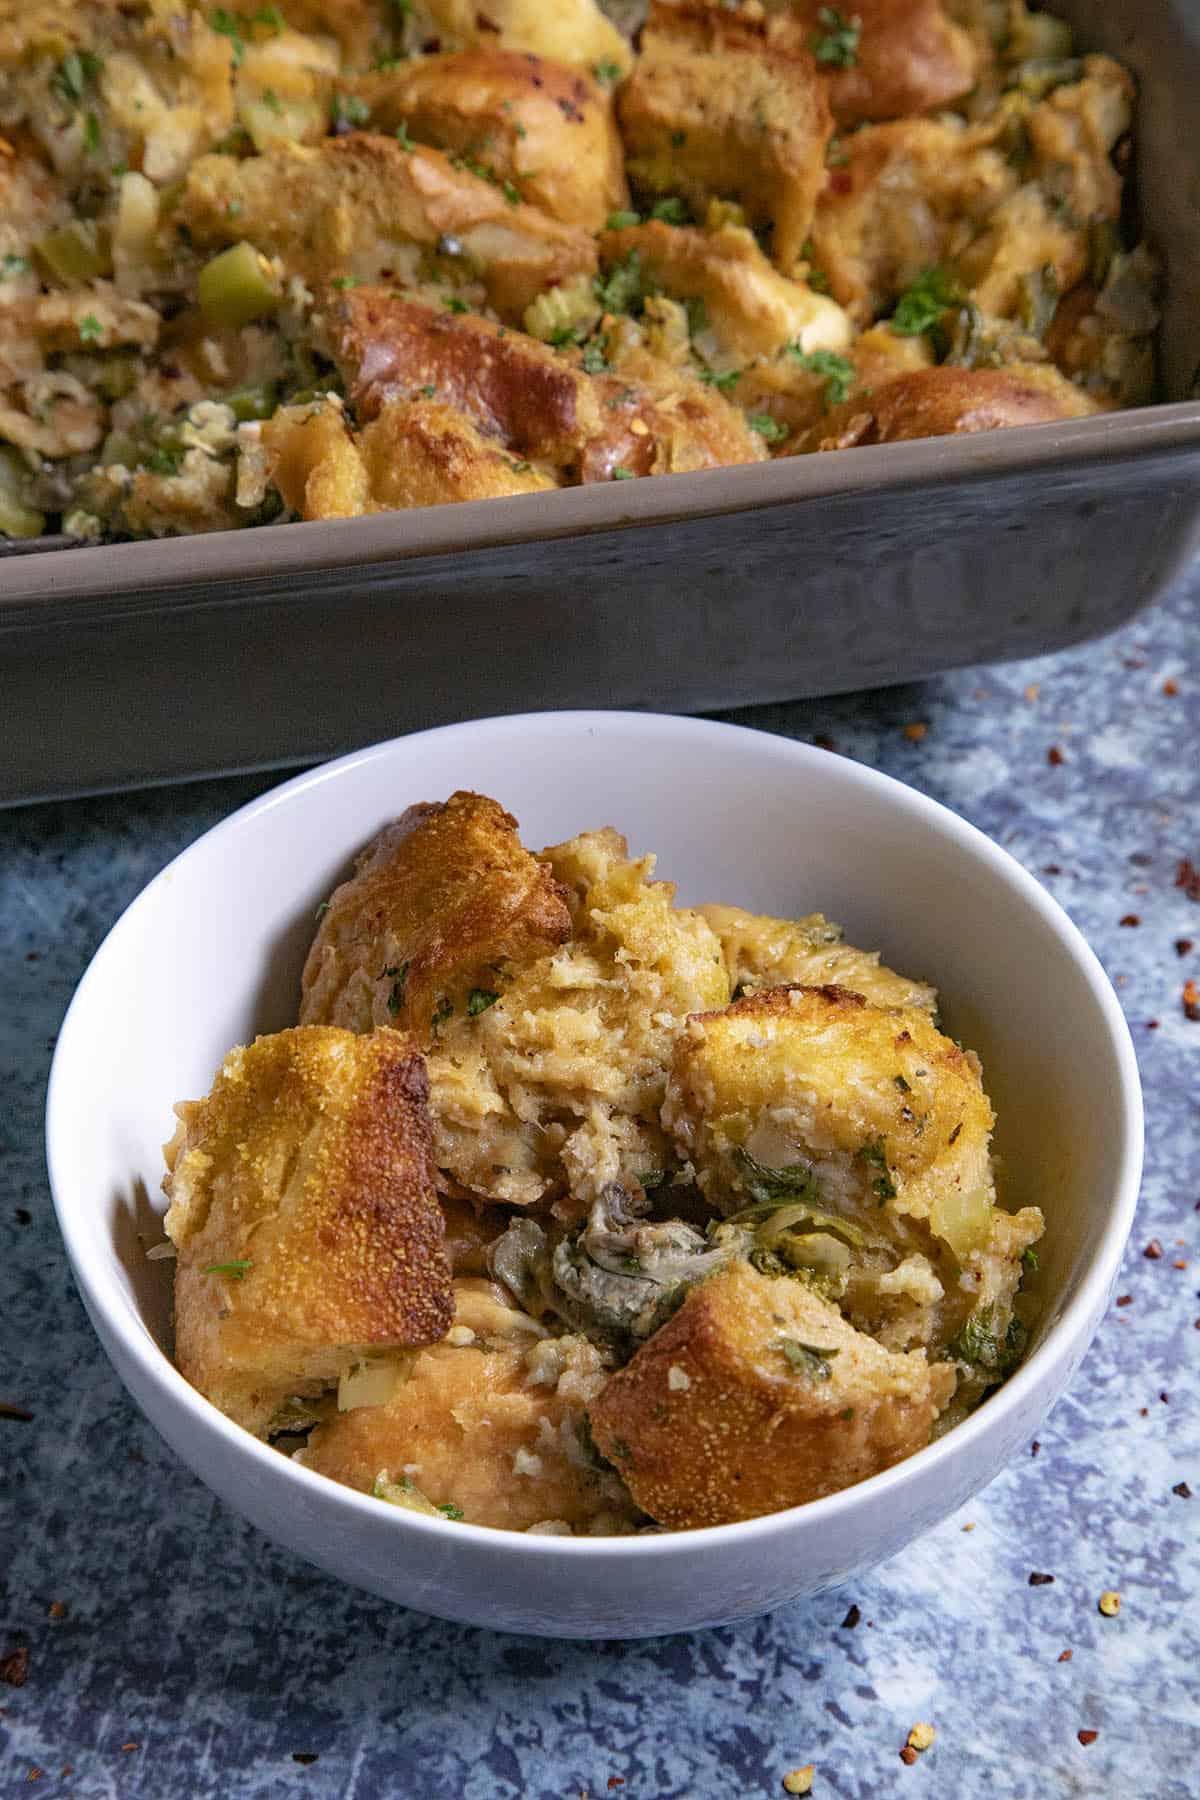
770,1186
402,137
678,140
75,75
235,1270
91,134
479,999
230,26
444,1011
651,1178
593,360
621,289
348,111
919,310
453,304
807,1359
15,265
511,193
847,1413
320,912
621,221
835,46
621,1450
90,329
450,1511
622,474
767,428
883,1187
162,461
671,211
270,18
271,101
342,282
723,382
607,73
399,974
429,390
837,372
1029,1258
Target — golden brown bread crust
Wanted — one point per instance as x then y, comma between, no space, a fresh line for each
571,31
947,401
659,420
714,1420
723,103
809,952
544,127
513,388
305,1219
436,901
343,207
910,58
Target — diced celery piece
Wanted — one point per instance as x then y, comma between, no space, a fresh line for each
17,520
237,286
80,251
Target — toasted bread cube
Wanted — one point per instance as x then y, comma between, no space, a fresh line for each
437,901
756,1395
571,31
720,106
946,401
661,420
304,1217
486,1425
514,389
541,126
907,56
762,952
350,206
884,1110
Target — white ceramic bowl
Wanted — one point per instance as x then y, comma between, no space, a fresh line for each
211,952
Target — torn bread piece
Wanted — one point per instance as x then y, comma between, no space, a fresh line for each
946,401
757,1395
762,952
439,902
303,1212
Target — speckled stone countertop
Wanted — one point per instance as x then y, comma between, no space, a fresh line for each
168,1650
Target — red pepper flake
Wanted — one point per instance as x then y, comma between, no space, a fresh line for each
1179,1263
1143,1412
1184,946
9,1411
130,1745
1165,1397
1087,1737
1124,1299
1037,1579
824,742
14,1668
1191,1000
1129,919
1183,1490
1187,877
1065,1655
851,1619
908,1755
304,1756
1051,869
35,1774
616,1781
1151,1024
1170,688
1055,757
1034,1447
915,730
1153,1250
1196,1323
58,1609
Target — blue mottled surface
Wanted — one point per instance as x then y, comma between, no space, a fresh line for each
196,1660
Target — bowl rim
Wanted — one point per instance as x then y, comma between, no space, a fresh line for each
1075,1321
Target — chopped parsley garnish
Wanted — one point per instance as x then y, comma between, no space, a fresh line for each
883,1187
652,1178
450,1511
320,912
721,381
836,154
236,1270
453,304
16,265
838,371
807,1359
271,101
399,975
1030,1259
91,133
445,1011
678,140
511,194
270,18
402,137
162,461
671,211
978,1344
620,221
920,309
518,468
429,390
767,428
479,999
348,111
621,289
342,282
835,46
90,329
607,73
74,75
593,359
765,1185
622,474
230,26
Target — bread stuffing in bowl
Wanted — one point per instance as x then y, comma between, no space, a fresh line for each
565,1209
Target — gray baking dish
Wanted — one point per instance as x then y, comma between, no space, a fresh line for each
154,661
